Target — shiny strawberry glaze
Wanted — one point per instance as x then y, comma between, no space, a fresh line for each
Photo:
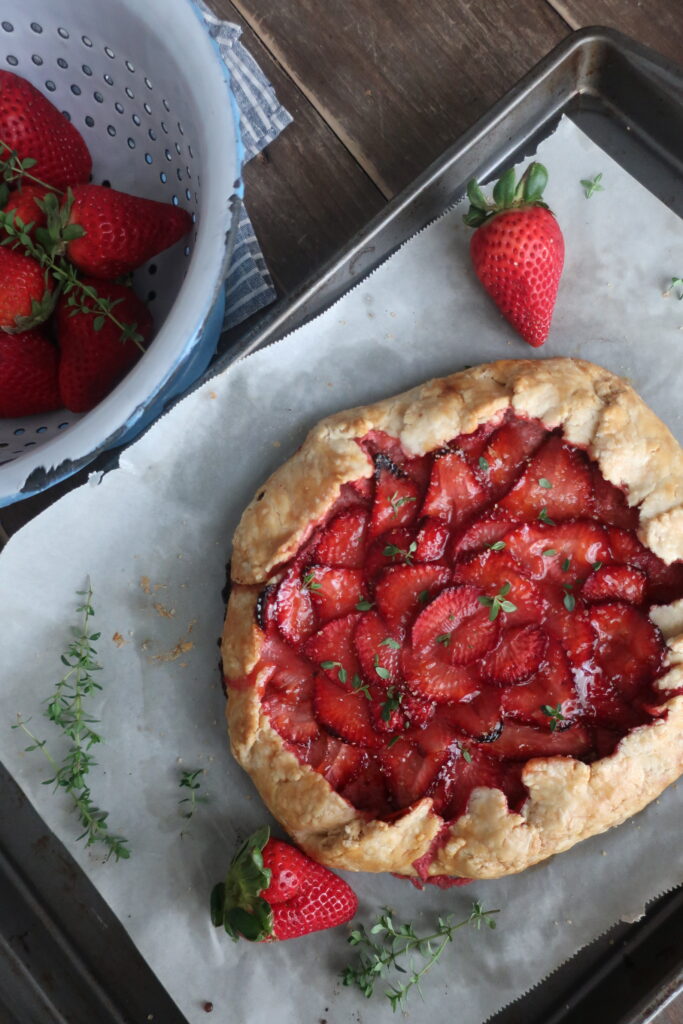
460,613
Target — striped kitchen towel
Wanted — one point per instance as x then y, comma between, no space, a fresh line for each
249,286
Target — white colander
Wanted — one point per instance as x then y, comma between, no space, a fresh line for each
145,85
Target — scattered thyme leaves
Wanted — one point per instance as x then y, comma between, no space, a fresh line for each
381,671
309,582
423,597
188,780
483,464
342,674
444,639
391,704
396,502
391,551
391,947
498,545
498,603
676,283
545,483
545,518
549,552
592,185
66,709
566,564
569,601
358,684
554,714
596,565
390,642
364,605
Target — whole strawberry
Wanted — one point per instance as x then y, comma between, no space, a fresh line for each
28,374
95,352
22,203
34,129
517,250
273,891
121,232
26,292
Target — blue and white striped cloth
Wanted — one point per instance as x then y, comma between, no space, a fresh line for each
262,118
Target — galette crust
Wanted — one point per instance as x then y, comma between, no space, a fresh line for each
568,800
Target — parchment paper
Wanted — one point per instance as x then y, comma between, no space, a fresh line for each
154,537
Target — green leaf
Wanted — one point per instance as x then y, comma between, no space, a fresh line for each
499,545
545,518
342,674
485,600
98,324
475,195
364,605
566,564
596,565
73,231
535,181
217,904
493,611
423,597
504,189
569,602
483,464
591,185
474,217
545,483
382,672
444,639
505,589
508,606
390,642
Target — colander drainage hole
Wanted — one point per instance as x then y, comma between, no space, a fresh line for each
152,268
12,60
37,59
35,27
151,296
19,431
40,430
62,425
8,26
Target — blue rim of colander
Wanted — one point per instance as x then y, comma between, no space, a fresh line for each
182,373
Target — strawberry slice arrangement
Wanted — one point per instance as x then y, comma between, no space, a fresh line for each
67,249
517,250
460,613
274,892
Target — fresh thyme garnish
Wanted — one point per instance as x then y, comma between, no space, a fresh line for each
391,704
483,464
66,709
390,642
498,545
549,552
545,518
423,597
188,780
568,600
465,753
544,483
444,639
676,282
309,582
382,672
554,714
596,565
391,551
364,605
381,950
498,603
342,674
358,684
396,502
566,564
591,185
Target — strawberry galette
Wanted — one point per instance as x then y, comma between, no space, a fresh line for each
454,637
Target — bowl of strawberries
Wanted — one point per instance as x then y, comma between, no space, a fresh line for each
119,167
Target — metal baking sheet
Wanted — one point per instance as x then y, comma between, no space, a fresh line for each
63,955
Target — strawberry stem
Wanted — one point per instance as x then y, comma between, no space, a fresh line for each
508,194
236,903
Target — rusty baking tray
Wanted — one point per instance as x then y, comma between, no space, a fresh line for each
64,957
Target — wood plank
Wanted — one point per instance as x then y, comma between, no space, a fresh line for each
306,194
400,80
656,23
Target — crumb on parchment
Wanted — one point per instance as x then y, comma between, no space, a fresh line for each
182,647
160,609
118,639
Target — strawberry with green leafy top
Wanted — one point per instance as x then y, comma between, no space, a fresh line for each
273,891
517,250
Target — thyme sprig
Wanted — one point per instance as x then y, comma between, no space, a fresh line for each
393,943
188,780
14,169
66,709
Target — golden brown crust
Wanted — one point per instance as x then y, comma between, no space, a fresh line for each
568,800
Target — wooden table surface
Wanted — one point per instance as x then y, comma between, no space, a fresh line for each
378,89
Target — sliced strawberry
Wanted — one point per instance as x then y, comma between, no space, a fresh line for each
480,718
398,591
490,571
294,609
344,712
340,762
432,540
551,687
454,493
291,716
519,742
486,531
473,445
397,547
378,649
419,469
629,646
614,583
518,654
572,628
664,582
386,712
363,489
508,450
438,620
565,553
342,542
469,769
291,674
377,442
428,676
417,711
332,646
556,484
334,592
437,737
474,637
396,498
609,503
266,606
368,790
409,773
605,705
625,546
